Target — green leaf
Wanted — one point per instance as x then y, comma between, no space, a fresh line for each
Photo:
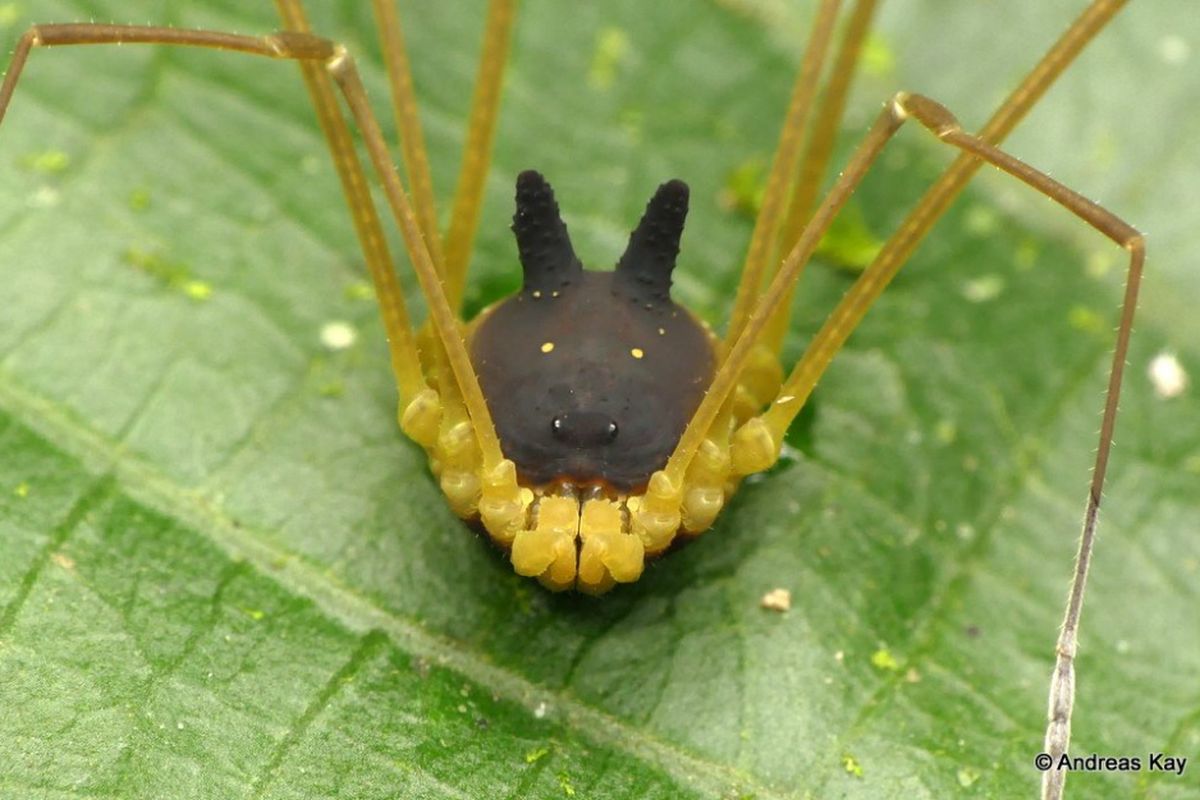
224,572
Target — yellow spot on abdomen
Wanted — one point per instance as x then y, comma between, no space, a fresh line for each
637,352
547,347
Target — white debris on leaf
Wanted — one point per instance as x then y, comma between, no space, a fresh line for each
1174,50
1167,375
338,335
776,600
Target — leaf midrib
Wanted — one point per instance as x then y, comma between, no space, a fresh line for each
143,484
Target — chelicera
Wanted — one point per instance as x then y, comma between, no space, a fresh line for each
588,422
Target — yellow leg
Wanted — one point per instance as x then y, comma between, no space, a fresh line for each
420,407
308,50
817,155
759,440
477,154
750,441
727,376
408,123
442,421
501,501
783,167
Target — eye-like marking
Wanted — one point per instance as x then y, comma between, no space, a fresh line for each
584,429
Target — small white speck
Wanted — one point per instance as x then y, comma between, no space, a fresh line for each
179,726
1167,375
787,398
541,710
338,335
1123,646
981,221
44,197
776,600
1174,50
965,531
983,288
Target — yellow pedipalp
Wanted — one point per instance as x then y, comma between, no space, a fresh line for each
608,553
547,552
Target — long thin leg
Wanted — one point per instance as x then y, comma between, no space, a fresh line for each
504,505
818,153
664,506
701,423
829,115
445,322
897,250
757,442
498,474
419,405
900,246
477,153
405,361
408,123
437,419
800,383
783,167
854,305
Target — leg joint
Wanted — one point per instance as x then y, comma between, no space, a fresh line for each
302,46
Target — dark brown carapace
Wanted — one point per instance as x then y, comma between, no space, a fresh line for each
591,376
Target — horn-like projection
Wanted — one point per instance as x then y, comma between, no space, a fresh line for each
547,258
645,269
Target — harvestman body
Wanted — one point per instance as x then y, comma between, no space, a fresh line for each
595,467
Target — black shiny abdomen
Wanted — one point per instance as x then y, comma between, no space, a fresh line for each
591,377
